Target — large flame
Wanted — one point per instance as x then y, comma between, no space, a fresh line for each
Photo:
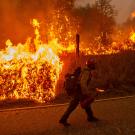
29,70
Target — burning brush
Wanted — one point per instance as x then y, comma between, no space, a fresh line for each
29,70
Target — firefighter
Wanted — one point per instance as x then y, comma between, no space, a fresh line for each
76,96
81,92
88,89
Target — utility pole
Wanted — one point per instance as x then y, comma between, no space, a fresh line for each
77,45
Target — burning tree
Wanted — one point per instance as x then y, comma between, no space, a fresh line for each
96,23
107,21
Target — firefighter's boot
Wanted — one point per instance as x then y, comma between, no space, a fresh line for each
90,116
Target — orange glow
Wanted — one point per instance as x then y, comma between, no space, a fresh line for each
132,37
133,15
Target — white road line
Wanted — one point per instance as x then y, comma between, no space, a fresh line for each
117,98
57,105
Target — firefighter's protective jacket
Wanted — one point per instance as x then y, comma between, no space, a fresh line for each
86,81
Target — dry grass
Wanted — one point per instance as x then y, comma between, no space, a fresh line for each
115,71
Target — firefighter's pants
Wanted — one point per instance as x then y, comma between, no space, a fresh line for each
73,104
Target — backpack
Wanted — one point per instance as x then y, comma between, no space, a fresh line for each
70,84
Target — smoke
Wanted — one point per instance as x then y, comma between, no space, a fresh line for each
124,8
133,5
15,16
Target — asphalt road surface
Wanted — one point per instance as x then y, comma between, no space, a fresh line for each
117,117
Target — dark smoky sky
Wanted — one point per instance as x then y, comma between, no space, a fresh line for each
123,7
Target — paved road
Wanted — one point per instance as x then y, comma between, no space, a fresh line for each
117,118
